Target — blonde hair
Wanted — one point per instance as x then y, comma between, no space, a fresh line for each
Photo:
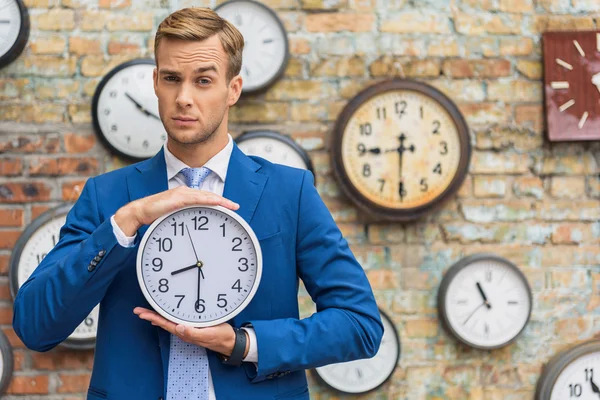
200,24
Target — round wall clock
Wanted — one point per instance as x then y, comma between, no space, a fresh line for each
14,30
365,375
400,148
266,51
484,301
32,246
199,265
125,111
275,147
572,374
6,362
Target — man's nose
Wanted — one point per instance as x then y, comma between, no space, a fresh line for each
184,98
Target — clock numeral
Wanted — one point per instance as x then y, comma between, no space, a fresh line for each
575,390
128,139
488,275
53,240
221,298
366,170
141,75
361,149
163,285
366,129
107,111
199,306
401,190
89,321
589,374
382,181
444,150
145,144
421,111
165,244
438,169
486,329
181,299
237,285
236,245
199,223
157,266
401,108
163,137
113,93
114,128
436,129
223,226
40,257
268,148
381,114
244,263
174,225
424,185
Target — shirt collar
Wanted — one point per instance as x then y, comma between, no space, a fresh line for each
218,164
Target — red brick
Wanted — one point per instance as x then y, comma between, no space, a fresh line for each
4,259
63,166
11,167
18,359
63,359
75,143
28,385
73,383
8,239
6,315
20,192
4,290
116,47
11,217
36,211
26,144
72,190
476,68
13,339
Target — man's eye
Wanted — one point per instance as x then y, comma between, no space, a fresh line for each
204,81
170,78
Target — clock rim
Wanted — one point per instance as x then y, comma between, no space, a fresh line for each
383,314
276,135
559,362
8,362
22,37
228,317
361,201
451,274
15,257
96,99
286,58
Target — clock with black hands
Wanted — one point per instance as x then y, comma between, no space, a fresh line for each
199,266
484,301
125,111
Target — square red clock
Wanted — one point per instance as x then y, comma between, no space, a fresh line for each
572,85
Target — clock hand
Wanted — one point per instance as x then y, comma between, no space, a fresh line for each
485,300
140,107
192,242
474,311
197,265
595,388
375,150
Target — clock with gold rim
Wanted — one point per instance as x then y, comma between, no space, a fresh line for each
400,149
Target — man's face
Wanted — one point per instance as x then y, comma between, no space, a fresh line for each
193,93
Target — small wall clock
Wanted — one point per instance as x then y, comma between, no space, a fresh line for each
572,374
125,111
266,49
365,375
275,147
6,362
572,85
400,148
14,30
199,265
484,301
32,246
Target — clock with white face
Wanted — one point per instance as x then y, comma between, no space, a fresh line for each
365,375
266,51
484,301
125,111
31,248
6,362
572,374
274,147
199,265
14,30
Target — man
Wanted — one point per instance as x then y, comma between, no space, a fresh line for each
139,354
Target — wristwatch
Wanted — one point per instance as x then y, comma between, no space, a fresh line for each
239,348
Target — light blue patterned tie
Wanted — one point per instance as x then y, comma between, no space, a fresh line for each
188,363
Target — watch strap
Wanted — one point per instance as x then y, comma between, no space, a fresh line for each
237,354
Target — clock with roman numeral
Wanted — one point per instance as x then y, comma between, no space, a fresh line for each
14,30
400,148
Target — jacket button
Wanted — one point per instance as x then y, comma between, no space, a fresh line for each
101,253
91,267
160,398
97,258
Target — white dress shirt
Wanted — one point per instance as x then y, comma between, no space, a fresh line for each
215,183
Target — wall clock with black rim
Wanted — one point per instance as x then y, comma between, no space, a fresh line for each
125,111
275,147
365,375
400,148
266,48
14,30
572,374
36,241
6,362
484,301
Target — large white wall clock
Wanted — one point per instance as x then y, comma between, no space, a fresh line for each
33,245
266,49
6,362
14,30
199,265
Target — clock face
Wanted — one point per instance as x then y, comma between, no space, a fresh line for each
399,148
34,244
485,301
14,30
572,374
572,85
364,375
266,51
199,266
6,362
125,111
274,147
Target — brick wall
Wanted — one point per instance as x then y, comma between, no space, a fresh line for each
525,199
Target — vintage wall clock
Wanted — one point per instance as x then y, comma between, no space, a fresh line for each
572,85
33,245
266,49
125,111
400,148
365,375
572,374
14,30
484,301
275,147
6,362
199,265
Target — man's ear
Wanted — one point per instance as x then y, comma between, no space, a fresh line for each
235,90
155,79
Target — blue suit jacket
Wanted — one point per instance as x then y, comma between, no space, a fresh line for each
299,239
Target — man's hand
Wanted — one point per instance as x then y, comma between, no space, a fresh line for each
219,338
145,210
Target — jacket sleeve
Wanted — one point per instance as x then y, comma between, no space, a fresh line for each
72,279
347,324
